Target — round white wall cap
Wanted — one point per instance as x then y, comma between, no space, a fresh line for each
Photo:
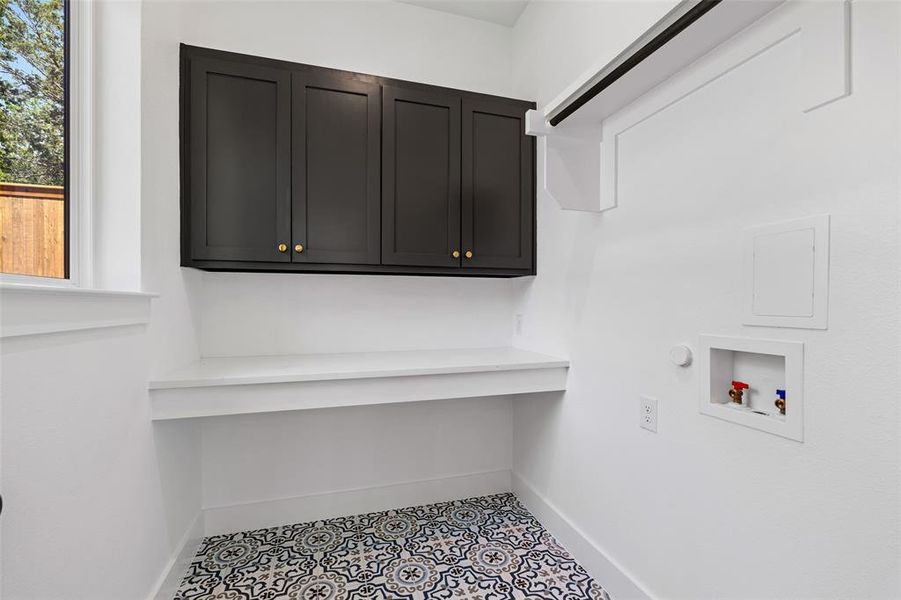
680,355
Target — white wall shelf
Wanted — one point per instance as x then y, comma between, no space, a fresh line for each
577,155
243,385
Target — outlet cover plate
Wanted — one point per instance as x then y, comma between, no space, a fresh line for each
647,418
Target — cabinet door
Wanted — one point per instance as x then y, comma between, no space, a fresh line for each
240,161
420,177
336,144
498,177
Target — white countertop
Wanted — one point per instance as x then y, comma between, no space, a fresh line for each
229,371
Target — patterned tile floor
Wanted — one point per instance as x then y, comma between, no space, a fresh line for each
487,548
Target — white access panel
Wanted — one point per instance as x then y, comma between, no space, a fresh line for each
786,274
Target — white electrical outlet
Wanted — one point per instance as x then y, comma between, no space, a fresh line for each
648,416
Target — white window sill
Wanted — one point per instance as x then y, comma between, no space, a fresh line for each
36,288
30,309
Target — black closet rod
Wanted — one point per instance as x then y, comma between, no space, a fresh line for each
694,13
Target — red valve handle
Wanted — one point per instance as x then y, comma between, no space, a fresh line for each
740,385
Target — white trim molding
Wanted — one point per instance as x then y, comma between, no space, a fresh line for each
617,581
339,503
38,310
167,585
578,160
823,78
81,143
217,520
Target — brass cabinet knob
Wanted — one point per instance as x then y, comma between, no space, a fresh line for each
468,254
283,247
298,248
455,254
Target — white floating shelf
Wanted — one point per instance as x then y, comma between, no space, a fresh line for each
243,385
578,149
663,50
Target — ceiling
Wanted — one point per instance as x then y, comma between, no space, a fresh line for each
502,12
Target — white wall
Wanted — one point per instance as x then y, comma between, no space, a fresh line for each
288,455
173,333
377,37
175,328
554,43
116,170
92,492
706,508
246,314
97,499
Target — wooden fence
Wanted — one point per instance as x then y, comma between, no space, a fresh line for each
32,230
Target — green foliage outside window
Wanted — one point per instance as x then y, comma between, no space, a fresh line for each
32,91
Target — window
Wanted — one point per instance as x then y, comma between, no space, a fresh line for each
34,141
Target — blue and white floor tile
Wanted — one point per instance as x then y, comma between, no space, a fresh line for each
487,548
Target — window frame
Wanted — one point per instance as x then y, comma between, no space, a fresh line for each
78,21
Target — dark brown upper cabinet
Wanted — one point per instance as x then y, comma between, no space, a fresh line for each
239,173
498,213
336,168
421,178
294,168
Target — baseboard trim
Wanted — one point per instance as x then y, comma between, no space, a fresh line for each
619,583
167,585
271,513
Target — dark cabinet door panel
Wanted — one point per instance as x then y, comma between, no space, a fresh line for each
240,161
420,177
336,167
497,205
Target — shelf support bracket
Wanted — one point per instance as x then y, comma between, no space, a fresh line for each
569,164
